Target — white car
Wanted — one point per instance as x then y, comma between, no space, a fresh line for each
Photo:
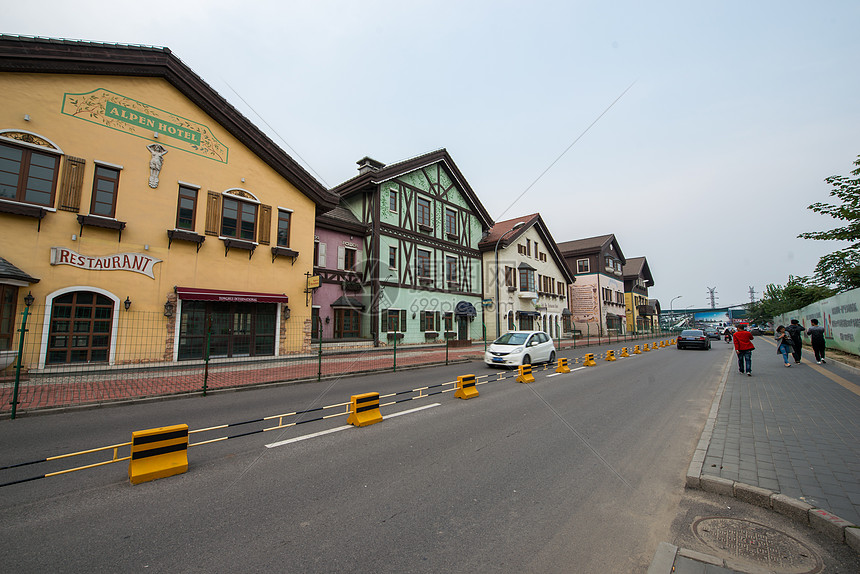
520,348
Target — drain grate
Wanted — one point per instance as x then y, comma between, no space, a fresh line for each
757,544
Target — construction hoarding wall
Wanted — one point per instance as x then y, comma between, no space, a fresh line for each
840,317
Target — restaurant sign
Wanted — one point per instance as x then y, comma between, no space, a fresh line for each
124,114
136,262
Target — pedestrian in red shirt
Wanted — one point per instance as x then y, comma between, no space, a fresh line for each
744,348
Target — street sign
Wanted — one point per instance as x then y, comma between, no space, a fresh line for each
313,282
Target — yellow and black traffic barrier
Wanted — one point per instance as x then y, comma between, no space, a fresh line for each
158,453
637,350
589,360
466,388
562,366
646,347
624,352
364,410
662,343
610,355
525,375
655,346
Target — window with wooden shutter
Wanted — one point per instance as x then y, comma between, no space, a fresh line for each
213,213
264,226
403,320
71,184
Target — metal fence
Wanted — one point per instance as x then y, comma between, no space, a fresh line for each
99,356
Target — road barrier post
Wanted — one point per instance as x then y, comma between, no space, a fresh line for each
466,388
610,356
525,374
158,453
562,366
624,352
589,360
364,410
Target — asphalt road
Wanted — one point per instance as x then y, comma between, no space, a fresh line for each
580,472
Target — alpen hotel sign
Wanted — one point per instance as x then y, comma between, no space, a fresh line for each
140,119
136,262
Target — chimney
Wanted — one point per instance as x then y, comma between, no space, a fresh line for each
367,164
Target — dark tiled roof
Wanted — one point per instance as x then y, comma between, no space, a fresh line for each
502,227
9,271
29,55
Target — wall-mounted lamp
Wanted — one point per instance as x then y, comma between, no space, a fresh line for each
243,180
286,312
155,135
327,320
26,117
28,300
126,303
168,309
413,314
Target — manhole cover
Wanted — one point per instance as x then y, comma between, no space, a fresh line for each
758,544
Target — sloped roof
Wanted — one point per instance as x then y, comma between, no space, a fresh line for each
377,175
342,219
498,231
24,54
638,267
10,272
591,245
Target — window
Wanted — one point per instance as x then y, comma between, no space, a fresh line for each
392,257
80,328
451,269
527,323
27,175
186,209
347,323
105,185
430,321
319,247
238,219
561,287
450,221
582,266
607,295
543,257
449,321
422,216
527,280
510,277
395,320
529,247
392,200
8,303
521,249
511,325
284,228
423,260
348,258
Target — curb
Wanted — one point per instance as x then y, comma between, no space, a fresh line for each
798,511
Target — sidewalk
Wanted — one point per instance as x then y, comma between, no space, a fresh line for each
786,439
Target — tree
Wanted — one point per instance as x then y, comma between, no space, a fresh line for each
841,268
778,300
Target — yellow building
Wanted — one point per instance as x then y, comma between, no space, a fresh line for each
130,190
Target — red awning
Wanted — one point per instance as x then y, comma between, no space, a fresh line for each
193,294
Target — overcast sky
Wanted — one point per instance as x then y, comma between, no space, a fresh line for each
733,114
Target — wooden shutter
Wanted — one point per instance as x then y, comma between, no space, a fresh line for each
321,250
403,320
341,256
423,323
213,213
264,225
71,184
384,328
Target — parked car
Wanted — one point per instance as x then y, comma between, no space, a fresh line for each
712,333
520,348
693,338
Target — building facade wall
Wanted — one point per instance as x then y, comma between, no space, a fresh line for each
109,122
539,309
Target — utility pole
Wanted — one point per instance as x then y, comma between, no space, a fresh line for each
752,294
712,297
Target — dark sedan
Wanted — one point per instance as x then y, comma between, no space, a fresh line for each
693,338
712,333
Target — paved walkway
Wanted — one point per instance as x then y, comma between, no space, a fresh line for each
787,439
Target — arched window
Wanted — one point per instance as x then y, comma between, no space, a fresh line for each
29,168
80,328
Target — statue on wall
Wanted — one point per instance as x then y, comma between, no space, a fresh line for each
155,163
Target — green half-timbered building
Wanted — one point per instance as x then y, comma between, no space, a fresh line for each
423,269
